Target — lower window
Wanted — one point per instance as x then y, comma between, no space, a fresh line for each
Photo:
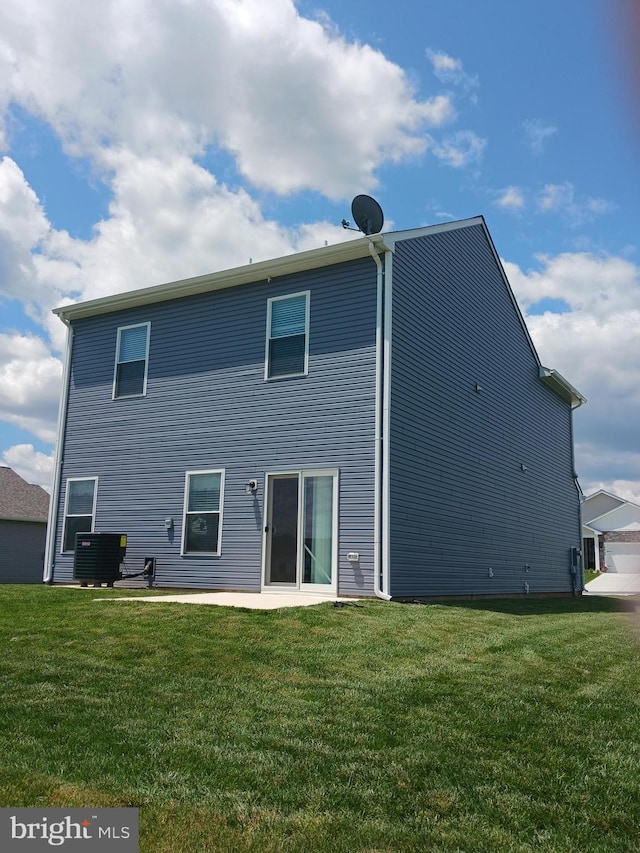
202,512
80,510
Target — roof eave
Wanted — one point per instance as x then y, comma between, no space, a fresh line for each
562,388
261,271
23,519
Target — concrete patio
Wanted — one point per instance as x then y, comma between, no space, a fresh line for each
251,600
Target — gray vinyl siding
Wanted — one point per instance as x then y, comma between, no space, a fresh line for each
208,406
22,551
460,503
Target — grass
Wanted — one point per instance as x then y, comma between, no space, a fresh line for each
478,726
589,576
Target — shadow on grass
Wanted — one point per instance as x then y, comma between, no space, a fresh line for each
531,606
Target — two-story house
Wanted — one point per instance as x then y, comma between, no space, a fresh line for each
368,418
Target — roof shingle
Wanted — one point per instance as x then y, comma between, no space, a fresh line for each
19,500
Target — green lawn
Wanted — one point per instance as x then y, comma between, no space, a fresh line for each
493,726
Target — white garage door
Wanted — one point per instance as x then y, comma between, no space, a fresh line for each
622,557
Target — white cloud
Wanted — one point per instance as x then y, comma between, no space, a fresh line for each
561,198
450,70
537,134
30,464
628,490
23,226
460,149
443,64
21,213
296,104
596,346
511,198
169,219
592,285
29,385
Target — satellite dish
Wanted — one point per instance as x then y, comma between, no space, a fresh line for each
367,214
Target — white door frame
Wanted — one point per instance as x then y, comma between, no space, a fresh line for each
299,586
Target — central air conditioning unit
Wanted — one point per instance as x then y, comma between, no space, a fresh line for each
98,557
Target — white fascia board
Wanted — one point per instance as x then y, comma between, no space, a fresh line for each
349,250
512,295
397,236
609,513
608,494
262,271
563,389
393,237
551,377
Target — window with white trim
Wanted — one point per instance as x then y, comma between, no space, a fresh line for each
201,531
287,335
79,510
132,357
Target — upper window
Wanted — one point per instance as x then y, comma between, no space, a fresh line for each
202,512
287,335
79,511
132,355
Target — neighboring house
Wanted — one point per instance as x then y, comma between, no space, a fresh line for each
365,418
23,529
611,533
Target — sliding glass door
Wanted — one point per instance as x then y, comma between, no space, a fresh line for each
301,531
282,530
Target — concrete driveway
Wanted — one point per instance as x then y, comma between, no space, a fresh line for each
614,583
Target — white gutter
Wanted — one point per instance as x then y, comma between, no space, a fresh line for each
261,271
386,425
563,389
379,515
50,542
348,250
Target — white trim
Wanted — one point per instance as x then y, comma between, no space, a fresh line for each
52,524
117,361
622,504
268,512
378,431
563,389
596,551
307,317
594,522
332,588
393,237
187,474
263,271
608,494
78,515
386,425
301,474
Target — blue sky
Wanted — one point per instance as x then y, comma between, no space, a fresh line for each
149,142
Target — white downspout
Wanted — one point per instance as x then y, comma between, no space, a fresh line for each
378,564
386,423
50,542
576,482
